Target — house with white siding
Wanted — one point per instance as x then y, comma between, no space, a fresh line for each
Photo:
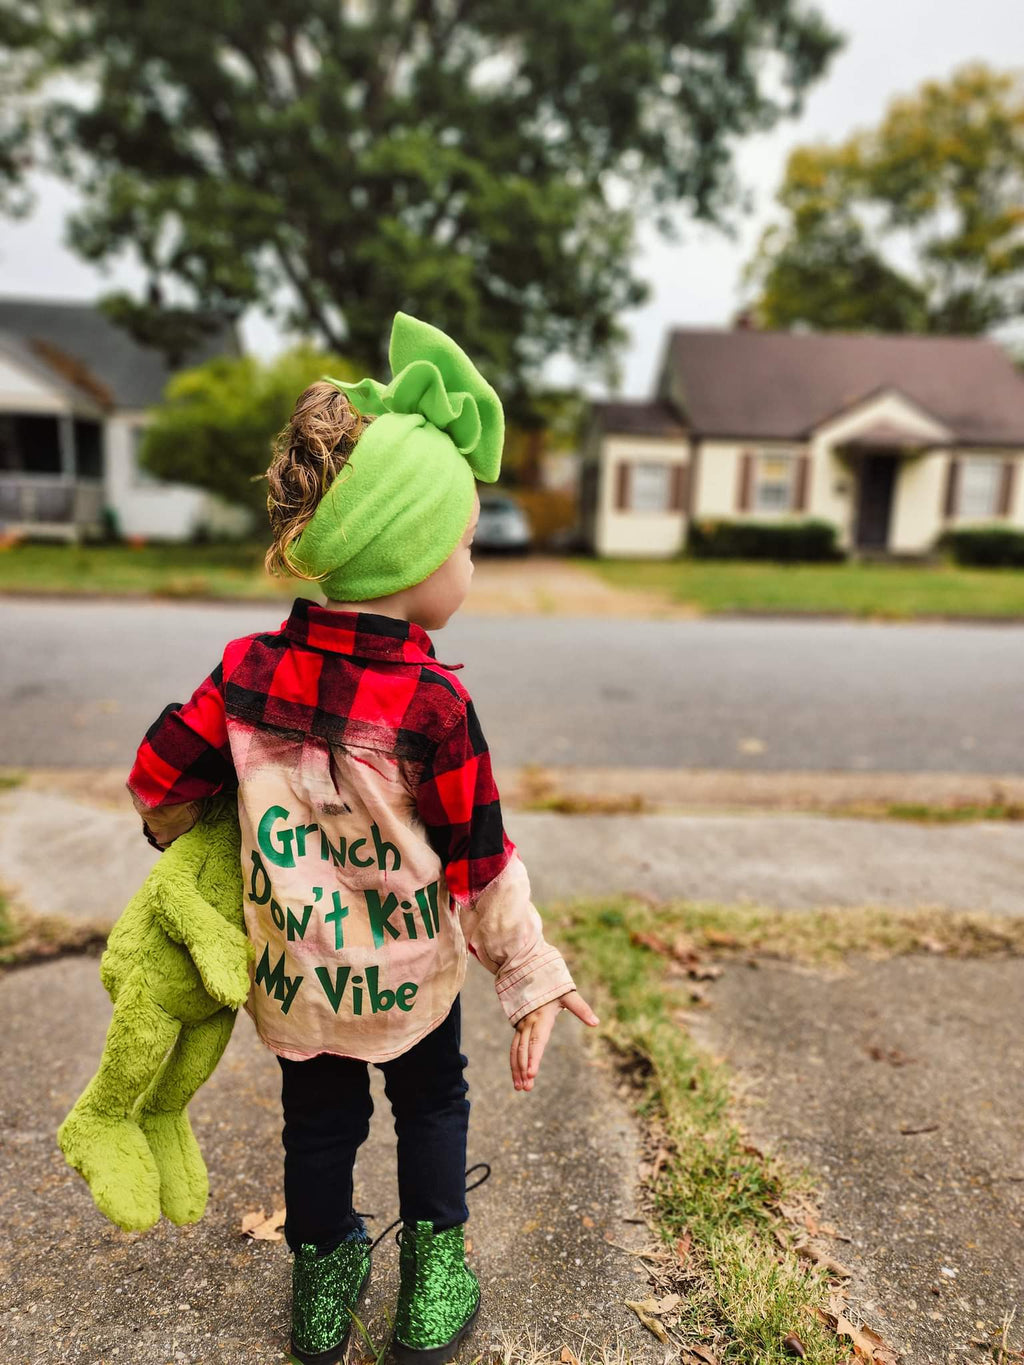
75,395
892,439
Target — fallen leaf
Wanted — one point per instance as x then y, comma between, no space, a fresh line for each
568,1357
260,1228
651,941
814,1251
793,1346
650,1322
683,1245
866,1343
684,950
702,1353
667,1304
721,938
893,1055
933,945
587,1222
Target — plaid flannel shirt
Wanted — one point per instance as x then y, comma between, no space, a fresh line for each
373,848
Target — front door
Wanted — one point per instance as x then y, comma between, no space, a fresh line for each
874,509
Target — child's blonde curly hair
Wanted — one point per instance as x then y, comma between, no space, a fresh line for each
308,455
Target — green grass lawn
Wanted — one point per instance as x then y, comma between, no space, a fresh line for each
227,570
881,590
236,570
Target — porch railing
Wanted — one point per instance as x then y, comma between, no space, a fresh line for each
51,504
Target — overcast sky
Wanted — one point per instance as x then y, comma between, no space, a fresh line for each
892,45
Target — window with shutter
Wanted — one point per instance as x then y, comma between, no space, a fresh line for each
980,483
650,486
775,482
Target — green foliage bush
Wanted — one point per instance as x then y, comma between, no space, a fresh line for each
994,547
217,422
807,541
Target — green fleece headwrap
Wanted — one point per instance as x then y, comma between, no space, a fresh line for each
400,504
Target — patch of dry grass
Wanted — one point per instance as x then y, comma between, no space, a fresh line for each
539,790
26,938
728,1283
821,937
743,1270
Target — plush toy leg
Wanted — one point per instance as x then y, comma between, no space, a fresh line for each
163,1117
99,1137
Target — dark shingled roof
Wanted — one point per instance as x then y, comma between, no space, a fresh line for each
81,347
747,383
640,418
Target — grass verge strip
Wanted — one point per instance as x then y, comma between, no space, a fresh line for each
26,938
744,1284
741,1291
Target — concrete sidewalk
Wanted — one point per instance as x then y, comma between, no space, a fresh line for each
547,1229
900,1084
945,1039
68,855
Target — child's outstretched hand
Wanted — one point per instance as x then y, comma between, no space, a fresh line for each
534,1030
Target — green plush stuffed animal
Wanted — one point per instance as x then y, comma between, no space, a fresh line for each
176,967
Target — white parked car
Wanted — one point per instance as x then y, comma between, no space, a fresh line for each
503,525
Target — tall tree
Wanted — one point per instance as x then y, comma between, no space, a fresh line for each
914,226
478,162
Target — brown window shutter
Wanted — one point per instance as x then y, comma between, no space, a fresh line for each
952,488
746,483
802,483
1006,488
622,486
677,495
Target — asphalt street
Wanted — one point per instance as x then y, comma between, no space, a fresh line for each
80,681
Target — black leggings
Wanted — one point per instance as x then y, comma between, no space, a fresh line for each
327,1108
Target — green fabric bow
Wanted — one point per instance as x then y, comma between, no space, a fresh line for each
402,501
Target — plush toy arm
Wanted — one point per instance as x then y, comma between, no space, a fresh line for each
220,951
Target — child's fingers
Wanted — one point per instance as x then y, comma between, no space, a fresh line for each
525,1044
519,1055
514,1057
538,1042
575,1004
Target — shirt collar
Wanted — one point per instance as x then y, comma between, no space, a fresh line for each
361,634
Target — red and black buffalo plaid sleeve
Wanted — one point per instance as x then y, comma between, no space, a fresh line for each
184,757
458,802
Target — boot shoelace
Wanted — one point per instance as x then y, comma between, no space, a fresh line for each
480,1166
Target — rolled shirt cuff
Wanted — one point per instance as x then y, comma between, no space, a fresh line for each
163,824
534,983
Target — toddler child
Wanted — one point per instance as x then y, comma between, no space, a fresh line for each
373,849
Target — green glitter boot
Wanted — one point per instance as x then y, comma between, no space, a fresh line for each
438,1294
324,1289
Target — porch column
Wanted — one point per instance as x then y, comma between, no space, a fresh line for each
66,439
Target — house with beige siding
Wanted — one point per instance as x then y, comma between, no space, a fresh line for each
892,439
